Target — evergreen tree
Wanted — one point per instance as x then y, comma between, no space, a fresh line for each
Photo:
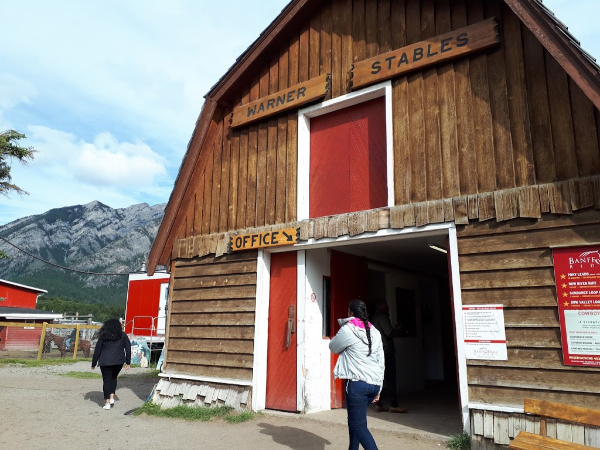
10,149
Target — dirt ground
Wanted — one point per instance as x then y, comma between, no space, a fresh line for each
42,408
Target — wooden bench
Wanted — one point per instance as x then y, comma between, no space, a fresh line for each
546,410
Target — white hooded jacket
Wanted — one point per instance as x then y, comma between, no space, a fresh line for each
352,345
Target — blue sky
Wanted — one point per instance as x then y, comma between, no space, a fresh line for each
109,91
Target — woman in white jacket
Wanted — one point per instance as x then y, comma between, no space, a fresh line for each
361,363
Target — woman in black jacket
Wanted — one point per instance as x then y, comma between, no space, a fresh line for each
113,349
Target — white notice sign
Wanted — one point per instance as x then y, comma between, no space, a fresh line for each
484,333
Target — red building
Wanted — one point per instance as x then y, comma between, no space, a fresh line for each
145,313
17,304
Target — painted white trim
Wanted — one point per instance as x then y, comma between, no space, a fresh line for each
463,386
344,101
354,98
389,137
300,328
207,379
433,229
25,316
144,276
261,331
487,407
302,182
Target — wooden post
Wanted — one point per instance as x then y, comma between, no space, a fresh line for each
76,345
42,340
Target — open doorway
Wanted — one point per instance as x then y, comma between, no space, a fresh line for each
411,275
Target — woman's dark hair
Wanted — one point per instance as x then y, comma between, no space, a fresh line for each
111,330
359,310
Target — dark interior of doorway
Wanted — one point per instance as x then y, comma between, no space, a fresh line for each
421,307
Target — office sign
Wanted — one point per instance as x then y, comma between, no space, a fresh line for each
288,236
426,53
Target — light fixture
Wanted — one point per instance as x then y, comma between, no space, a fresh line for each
438,248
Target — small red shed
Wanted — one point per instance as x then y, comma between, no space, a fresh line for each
145,313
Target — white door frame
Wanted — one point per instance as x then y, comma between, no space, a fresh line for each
262,309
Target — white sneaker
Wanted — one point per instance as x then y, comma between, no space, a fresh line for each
112,401
106,406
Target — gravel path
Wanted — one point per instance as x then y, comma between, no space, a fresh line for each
43,409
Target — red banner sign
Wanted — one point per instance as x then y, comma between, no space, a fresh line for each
577,274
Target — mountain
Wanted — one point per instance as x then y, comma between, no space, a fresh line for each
92,239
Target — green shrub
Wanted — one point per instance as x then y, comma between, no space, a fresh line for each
460,441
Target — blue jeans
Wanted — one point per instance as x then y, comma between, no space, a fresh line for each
358,397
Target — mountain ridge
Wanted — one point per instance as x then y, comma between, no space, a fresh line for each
92,238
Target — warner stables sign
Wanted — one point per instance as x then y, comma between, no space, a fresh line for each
425,53
288,236
281,101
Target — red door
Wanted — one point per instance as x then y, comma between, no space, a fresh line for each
348,165
349,281
281,350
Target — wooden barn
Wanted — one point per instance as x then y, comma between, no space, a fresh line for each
346,146
17,305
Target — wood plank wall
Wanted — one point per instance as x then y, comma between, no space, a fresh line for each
211,327
506,118
512,264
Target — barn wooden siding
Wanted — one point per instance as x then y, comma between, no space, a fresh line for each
512,264
211,325
491,429
532,202
502,119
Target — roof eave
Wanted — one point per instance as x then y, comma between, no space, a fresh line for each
556,41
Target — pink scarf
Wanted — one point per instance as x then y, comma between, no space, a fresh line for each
358,323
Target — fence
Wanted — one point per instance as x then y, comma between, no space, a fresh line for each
46,340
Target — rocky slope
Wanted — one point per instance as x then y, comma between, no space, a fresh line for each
92,238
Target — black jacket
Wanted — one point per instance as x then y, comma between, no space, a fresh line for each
112,353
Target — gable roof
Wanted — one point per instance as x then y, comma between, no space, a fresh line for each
22,286
544,25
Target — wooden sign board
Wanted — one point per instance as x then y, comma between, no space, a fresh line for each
426,53
288,236
281,101
577,278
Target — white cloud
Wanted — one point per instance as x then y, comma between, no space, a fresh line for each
104,162
107,162
13,91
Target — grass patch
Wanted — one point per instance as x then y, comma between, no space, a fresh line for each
240,417
151,373
81,375
460,441
193,413
36,363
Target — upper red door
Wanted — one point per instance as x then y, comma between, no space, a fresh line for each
281,343
348,162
